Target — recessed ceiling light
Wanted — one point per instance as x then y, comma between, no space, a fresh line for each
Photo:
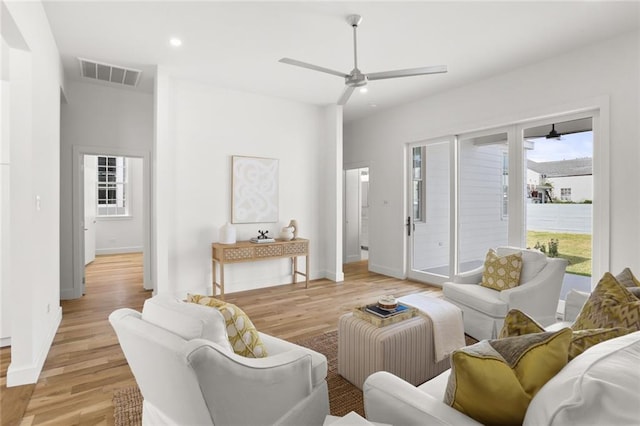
373,105
364,89
175,42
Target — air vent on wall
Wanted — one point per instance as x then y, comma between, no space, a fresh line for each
109,73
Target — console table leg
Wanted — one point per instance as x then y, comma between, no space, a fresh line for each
294,259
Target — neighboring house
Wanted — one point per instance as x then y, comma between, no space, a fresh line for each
564,180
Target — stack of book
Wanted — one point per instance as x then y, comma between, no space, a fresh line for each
379,317
262,240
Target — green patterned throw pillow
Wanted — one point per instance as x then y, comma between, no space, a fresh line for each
609,305
517,323
243,335
501,272
627,279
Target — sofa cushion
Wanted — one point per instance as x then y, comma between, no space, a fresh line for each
493,381
186,320
609,305
243,335
600,387
533,261
482,299
517,323
501,272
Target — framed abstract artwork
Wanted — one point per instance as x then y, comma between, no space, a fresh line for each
254,190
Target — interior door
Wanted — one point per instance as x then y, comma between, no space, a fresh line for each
429,219
352,215
90,200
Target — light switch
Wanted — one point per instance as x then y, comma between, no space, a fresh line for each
37,202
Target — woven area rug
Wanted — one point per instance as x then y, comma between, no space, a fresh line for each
343,396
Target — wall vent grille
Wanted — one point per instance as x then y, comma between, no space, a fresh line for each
109,73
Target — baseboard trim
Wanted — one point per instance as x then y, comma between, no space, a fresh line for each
28,374
5,341
378,269
335,276
119,250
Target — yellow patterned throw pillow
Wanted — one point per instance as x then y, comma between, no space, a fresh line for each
610,305
517,323
501,272
494,381
243,335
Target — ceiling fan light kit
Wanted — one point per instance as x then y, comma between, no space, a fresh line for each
357,78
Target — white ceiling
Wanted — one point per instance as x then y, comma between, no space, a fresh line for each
237,44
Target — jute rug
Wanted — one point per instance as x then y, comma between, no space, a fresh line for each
343,396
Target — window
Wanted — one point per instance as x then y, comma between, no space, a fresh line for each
112,186
418,183
505,184
565,194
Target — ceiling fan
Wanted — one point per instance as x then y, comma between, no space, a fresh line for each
358,79
553,134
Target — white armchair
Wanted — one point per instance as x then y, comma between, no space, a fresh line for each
484,309
189,375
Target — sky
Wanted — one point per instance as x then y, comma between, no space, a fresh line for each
575,145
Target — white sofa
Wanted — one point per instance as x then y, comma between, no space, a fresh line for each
599,387
188,373
484,309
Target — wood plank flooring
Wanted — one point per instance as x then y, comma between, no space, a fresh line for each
85,364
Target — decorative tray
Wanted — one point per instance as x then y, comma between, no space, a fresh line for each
373,314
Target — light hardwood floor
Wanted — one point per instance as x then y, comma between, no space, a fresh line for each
85,364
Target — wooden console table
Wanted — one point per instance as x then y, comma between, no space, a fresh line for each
246,251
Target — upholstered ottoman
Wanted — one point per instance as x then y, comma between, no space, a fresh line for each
404,349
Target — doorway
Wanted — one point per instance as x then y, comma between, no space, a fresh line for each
356,215
111,209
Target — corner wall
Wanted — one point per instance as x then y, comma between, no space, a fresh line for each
34,206
609,68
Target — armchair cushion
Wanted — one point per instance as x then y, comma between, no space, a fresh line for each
243,335
483,299
494,381
609,305
501,272
186,321
517,323
533,261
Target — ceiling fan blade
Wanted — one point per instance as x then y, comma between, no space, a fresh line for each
437,69
312,67
346,95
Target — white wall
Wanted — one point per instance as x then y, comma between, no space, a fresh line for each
124,234
208,125
104,119
609,68
36,83
581,187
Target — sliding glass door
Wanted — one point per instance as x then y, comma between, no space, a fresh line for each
483,196
429,219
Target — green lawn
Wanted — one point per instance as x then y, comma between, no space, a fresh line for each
576,248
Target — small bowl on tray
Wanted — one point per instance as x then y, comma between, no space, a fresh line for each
388,303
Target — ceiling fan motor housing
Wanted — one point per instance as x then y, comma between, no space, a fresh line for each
356,79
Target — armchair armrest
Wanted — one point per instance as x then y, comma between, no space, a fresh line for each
573,304
389,399
275,383
473,276
539,297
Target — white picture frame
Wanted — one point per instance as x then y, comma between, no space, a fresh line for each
254,190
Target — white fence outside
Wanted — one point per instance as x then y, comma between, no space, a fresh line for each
569,218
